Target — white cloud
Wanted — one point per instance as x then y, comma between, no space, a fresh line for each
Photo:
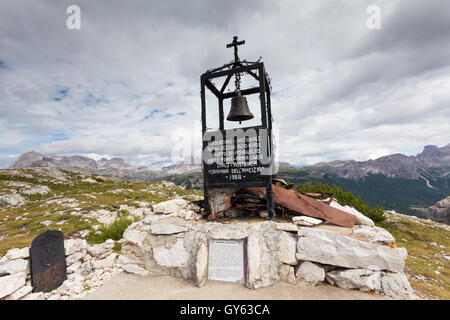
130,76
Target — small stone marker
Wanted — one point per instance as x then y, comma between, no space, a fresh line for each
226,260
48,261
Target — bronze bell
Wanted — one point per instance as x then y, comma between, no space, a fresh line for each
239,110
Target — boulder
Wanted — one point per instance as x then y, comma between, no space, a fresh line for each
34,296
172,255
391,284
362,279
75,257
73,267
134,236
171,206
14,266
253,262
166,228
98,250
287,274
396,285
290,227
310,272
306,221
11,283
201,264
150,219
373,234
332,248
74,245
360,218
15,253
20,293
287,248
13,199
135,269
106,263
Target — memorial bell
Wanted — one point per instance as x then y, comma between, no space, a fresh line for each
239,110
232,159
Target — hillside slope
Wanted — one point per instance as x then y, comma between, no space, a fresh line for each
49,198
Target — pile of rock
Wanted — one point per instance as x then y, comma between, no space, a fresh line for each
88,266
364,257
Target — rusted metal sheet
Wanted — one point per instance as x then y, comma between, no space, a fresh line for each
307,206
219,201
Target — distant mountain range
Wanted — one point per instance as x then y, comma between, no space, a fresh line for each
408,184
394,165
34,159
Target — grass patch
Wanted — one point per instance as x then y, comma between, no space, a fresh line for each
423,258
113,231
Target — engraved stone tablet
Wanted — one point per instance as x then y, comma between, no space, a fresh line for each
48,261
226,260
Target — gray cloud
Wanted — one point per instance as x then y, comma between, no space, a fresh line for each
122,84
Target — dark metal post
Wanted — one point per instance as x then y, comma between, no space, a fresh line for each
205,180
221,124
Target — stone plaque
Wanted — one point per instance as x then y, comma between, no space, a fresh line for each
226,260
48,261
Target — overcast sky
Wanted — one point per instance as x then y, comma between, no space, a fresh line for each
129,78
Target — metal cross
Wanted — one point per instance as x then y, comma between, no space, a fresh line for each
235,44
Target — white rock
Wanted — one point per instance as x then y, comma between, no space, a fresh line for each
11,199
290,227
391,284
172,255
362,279
310,272
287,248
75,257
74,245
263,214
373,234
54,297
18,253
14,266
396,285
108,262
331,248
87,258
135,269
46,223
106,220
253,262
306,221
150,219
11,283
34,296
360,218
97,250
134,236
201,265
73,267
20,293
287,274
171,206
166,228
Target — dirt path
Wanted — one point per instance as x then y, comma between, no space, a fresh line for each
132,287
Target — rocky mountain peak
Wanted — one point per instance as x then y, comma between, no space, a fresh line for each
35,159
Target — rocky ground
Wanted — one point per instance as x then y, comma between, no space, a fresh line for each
34,200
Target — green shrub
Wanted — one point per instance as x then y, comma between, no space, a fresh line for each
344,198
113,231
